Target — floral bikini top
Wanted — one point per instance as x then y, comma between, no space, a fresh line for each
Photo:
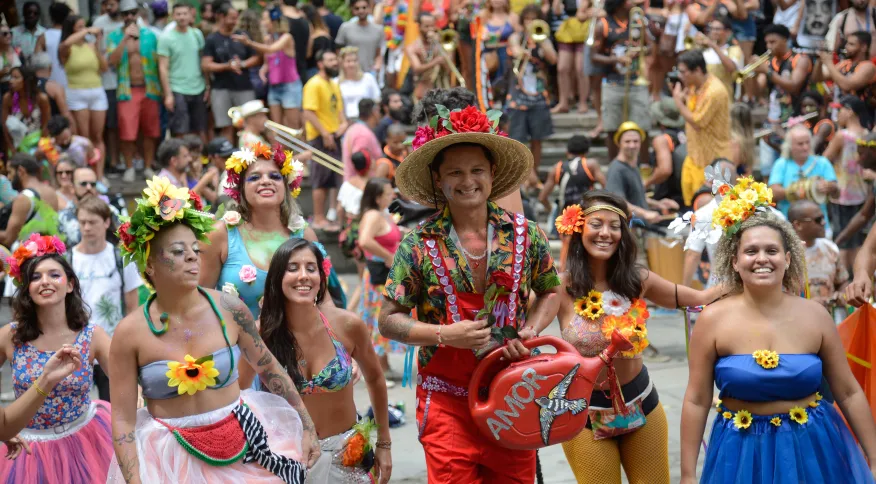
598,314
71,398
336,374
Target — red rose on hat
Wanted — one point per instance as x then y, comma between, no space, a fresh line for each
470,120
196,200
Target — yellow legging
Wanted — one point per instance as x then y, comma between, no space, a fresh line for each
643,453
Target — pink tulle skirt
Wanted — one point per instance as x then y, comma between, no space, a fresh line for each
81,455
164,460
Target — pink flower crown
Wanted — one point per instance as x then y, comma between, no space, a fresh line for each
468,120
289,167
37,245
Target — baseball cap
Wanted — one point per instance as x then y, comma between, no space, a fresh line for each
220,146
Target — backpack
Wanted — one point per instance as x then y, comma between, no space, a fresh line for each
120,266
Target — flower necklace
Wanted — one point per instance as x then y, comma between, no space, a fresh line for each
614,311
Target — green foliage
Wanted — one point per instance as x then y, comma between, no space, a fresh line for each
339,7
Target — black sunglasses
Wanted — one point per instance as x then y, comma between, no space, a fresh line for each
5,33
819,220
63,172
85,184
129,12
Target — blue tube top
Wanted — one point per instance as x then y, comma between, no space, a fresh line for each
154,380
739,376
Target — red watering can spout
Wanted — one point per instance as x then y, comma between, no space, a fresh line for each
618,344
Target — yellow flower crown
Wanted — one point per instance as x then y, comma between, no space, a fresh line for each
238,162
868,144
735,204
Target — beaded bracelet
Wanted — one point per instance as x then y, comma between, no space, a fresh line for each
440,343
384,444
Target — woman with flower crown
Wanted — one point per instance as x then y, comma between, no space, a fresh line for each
264,184
184,348
606,290
766,349
69,437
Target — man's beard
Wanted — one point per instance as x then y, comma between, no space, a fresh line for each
860,8
332,72
16,183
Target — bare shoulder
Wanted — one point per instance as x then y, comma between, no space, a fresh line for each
130,331
808,312
219,232
344,322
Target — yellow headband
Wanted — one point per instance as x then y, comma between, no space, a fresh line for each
572,218
610,208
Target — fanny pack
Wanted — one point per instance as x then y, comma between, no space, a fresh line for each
607,423
238,437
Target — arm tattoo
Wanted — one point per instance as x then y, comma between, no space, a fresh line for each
265,360
397,327
125,438
281,385
243,318
126,465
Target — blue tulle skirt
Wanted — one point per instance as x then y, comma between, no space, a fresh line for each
820,451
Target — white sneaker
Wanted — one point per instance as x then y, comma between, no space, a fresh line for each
148,173
129,175
332,215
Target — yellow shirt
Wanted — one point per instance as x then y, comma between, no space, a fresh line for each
323,97
710,107
82,68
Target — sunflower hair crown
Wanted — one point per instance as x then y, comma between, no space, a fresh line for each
866,144
468,120
35,246
572,219
162,204
736,203
239,161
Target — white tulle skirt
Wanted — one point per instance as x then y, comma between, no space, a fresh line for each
164,460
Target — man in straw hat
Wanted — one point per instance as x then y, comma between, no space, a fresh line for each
623,177
445,267
669,151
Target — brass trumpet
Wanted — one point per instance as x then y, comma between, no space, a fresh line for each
637,34
448,40
538,31
748,70
591,30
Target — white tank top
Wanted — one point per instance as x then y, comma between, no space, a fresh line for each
53,39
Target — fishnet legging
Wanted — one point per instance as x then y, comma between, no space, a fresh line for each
643,453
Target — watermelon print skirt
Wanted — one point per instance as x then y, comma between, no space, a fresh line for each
163,459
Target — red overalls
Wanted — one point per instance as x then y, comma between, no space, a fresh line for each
456,452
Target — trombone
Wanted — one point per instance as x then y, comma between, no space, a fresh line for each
766,131
591,29
448,40
637,34
538,31
288,137
748,70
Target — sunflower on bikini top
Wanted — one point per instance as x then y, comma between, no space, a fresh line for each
192,376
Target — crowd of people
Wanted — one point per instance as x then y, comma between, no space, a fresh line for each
207,316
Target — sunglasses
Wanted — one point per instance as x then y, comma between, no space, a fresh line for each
273,176
86,184
64,172
819,220
5,33
129,12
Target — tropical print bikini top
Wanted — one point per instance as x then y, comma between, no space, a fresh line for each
336,374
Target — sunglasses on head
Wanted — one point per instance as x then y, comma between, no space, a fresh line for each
86,184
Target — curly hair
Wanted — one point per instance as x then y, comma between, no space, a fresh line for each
455,98
24,310
624,274
728,247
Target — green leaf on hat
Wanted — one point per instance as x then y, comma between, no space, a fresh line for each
433,122
447,125
442,111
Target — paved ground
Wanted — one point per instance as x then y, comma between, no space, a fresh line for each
665,331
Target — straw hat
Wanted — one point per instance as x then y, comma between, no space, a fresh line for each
239,113
666,113
512,160
628,126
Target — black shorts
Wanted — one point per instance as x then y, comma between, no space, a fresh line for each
320,176
189,114
534,123
112,111
840,216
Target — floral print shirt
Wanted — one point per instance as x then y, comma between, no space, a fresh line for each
413,283
70,398
148,57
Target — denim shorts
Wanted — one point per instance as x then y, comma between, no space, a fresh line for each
744,30
287,94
